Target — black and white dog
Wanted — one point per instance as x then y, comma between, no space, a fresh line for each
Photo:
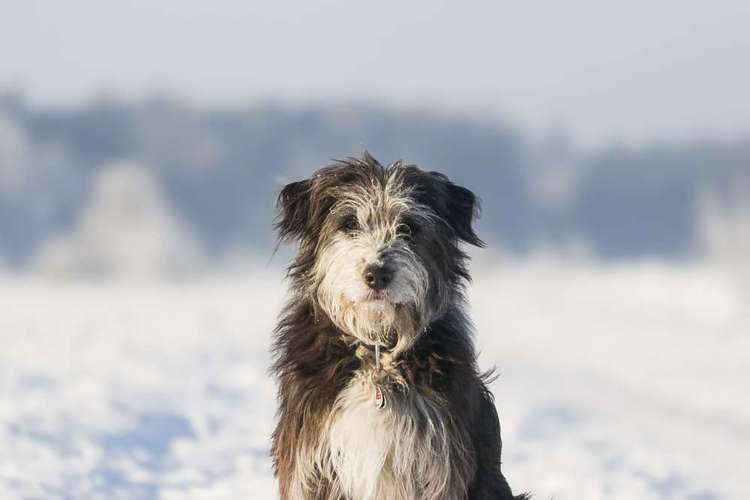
379,392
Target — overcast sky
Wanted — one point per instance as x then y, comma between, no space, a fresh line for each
628,71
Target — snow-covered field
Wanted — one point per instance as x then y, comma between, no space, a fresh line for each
625,382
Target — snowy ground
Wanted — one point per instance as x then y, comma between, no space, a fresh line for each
619,383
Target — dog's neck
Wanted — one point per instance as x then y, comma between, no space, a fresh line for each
392,349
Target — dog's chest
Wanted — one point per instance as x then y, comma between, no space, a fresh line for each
385,442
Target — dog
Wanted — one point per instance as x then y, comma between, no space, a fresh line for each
380,397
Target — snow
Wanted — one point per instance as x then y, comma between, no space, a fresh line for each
615,382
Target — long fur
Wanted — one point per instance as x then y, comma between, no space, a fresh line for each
438,436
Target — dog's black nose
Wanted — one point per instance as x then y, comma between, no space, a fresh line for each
378,277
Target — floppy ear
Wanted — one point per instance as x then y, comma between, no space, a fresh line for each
463,209
293,207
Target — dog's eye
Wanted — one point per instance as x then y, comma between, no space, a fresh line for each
350,225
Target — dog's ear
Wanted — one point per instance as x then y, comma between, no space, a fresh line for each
457,205
463,209
293,207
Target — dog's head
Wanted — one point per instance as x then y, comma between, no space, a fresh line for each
378,246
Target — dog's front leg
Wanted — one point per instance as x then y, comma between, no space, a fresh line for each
311,488
296,465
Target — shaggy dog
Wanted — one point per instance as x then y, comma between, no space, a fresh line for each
379,392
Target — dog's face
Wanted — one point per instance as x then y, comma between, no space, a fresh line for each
379,247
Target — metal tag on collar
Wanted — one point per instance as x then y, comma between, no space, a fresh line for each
380,401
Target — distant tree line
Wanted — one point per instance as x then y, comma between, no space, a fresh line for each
221,168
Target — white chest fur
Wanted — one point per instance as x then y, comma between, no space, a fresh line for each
405,450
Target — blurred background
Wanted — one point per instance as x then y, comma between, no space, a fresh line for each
142,146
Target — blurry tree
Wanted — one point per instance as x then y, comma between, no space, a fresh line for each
724,217
126,230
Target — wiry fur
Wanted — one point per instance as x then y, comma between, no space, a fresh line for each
438,436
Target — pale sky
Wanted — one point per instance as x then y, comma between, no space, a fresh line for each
636,71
